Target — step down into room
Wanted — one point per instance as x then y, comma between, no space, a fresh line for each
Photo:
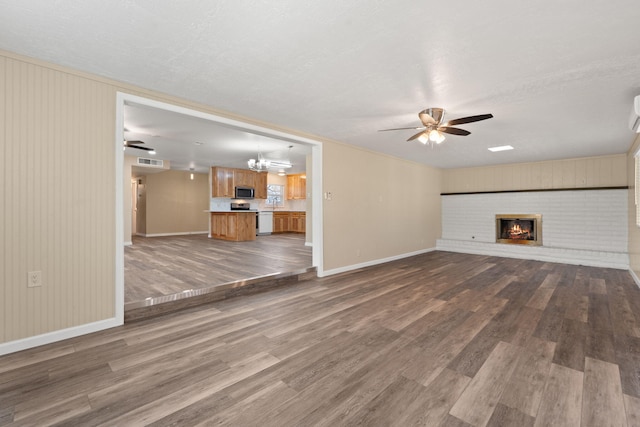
164,304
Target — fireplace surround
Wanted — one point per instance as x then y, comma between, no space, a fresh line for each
521,229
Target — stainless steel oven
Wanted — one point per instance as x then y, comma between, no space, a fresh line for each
246,207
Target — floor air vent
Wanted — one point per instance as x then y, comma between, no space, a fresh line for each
150,162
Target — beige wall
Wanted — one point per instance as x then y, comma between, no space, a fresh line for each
176,204
275,179
605,171
57,204
380,206
634,231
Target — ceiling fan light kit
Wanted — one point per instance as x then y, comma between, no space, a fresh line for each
432,128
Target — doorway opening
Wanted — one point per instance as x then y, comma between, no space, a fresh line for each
125,214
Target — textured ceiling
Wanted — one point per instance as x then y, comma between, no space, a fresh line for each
559,77
193,143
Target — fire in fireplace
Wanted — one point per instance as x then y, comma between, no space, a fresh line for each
519,229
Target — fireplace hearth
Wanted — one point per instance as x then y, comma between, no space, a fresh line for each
525,229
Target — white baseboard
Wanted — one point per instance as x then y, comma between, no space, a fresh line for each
187,233
63,334
308,244
129,243
635,277
538,253
373,262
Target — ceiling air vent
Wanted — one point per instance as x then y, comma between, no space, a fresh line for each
150,162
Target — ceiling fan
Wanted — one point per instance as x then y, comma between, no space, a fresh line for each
432,128
136,144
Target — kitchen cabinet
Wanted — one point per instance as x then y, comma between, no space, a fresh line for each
297,222
222,182
235,226
260,180
289,222
243,178
296,186
280,222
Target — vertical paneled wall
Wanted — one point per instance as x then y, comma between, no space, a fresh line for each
604,171
3,204
58,213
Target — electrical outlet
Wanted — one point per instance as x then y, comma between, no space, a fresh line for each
34,279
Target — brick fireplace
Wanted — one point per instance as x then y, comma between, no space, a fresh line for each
525,229
585,227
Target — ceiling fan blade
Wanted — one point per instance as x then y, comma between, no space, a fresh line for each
136,144
454,131
139,148
417,135
414,128
469,119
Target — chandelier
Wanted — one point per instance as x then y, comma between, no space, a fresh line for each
260,165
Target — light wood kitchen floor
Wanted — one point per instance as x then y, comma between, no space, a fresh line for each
439,339
156,266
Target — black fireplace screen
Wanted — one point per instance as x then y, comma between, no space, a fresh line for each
517,229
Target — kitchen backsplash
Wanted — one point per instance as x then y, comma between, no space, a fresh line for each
224,204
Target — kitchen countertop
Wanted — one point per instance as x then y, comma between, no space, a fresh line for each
239,211
254,210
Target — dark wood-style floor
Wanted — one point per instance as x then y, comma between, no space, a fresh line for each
157,266
439,339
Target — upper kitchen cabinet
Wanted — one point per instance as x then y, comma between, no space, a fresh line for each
260,180
222,182
296,186
243,178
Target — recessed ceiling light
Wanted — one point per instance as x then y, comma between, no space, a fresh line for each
198,143
501,148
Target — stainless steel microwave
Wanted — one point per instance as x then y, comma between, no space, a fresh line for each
244,193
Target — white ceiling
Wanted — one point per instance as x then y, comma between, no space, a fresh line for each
559,77
195,143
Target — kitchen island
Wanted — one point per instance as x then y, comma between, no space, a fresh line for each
237,226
